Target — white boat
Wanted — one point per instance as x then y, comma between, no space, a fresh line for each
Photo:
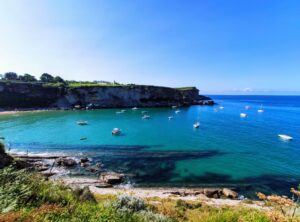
247,107
285,137
123,111
134,108
144,111
243,115
116,131
174,107
82,122
260,110
221,107
170,117
177,111
119,112
196,125
146,117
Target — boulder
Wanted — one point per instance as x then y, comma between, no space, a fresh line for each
41,168
229,193
103,185
84,164
112,178
67,162
212,193
93,169
84,160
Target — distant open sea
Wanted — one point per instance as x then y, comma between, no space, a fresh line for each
227,150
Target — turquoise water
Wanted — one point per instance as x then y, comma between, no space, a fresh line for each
225,151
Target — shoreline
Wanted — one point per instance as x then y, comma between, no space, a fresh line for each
11,112
33,110
152,193
103,181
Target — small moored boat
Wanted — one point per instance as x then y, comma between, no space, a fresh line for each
196,125
174,107
116,131
134,108
170,117
177,111
247,107
221,107
260,110
146,117
285,137
82,122
243,115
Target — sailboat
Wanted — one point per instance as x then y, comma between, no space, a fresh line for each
260,110
196,125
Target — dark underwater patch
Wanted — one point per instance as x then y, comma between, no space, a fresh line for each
147,167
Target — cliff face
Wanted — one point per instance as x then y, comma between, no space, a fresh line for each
27,95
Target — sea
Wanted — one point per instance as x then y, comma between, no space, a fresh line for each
227,150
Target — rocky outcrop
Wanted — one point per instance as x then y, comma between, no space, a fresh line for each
112,178
229,193
27,95
67,162
36,95
207,192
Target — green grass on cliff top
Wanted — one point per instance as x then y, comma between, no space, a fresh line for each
84,84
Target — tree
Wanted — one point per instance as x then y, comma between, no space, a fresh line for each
59,79
27,78
10,76
45,77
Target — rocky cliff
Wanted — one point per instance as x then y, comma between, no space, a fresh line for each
29,95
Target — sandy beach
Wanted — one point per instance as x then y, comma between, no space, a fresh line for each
12,112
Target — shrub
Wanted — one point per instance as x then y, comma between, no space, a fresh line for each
2,148
185,205
19,189
145,216
129,204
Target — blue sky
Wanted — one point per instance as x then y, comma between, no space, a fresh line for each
220,46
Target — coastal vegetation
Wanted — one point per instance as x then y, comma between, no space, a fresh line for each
26,195
48,80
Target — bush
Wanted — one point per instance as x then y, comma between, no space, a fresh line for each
146,216
2,148
19,189
129,204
